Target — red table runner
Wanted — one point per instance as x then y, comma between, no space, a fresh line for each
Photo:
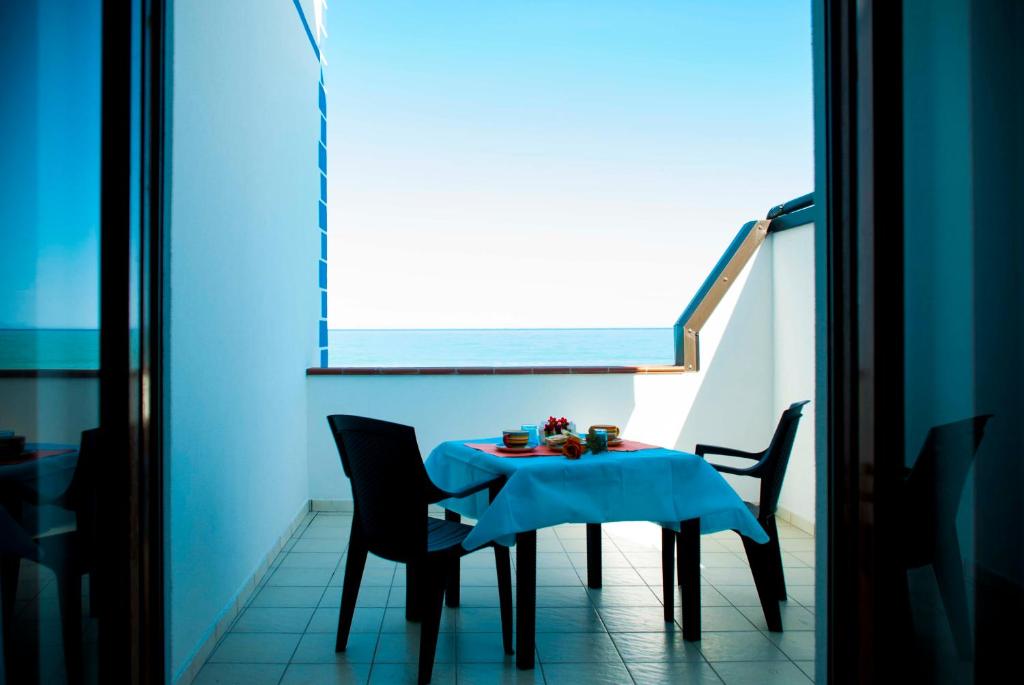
34,455
491,448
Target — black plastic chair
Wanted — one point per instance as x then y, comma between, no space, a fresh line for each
930,498
765,560
68,551
391,491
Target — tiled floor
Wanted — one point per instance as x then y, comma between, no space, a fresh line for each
614,635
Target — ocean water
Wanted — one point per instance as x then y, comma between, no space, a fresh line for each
79,349
501,347
49,349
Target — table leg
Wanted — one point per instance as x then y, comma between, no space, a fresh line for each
689,554
668,568
452,594
594,555
526,597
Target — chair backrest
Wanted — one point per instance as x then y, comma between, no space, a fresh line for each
936,481
389,484
81,495
776,459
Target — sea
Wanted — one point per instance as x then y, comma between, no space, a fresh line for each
79,349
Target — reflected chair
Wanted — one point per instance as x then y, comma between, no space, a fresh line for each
765,560
930,498
391,491
67,550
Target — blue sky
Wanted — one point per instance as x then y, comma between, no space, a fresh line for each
49,197
546,163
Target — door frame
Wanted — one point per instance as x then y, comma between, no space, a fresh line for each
133,162
859,176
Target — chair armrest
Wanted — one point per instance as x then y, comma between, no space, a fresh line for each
436,494
701,450
750,471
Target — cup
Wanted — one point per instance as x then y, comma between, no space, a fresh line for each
597,440
612,431
534,432
515,438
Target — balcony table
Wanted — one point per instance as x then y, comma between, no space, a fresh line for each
680,490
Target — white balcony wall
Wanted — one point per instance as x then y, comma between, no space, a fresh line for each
49,409
793,347
243,302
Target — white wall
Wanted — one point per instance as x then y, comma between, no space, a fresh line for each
652,408
793,317
243,298
49,409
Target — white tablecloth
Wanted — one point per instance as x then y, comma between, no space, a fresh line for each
649,485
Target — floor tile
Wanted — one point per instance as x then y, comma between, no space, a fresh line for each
300,577
498,674
668,646
239,674
726,575
272,620
405,648
799,576
556,576
481,648
608,560
577,648
624,596
760,673
620,576
716,619
374,596
322,533
311,560
673,673
738,646
797,645
372,577
478,620
709,596
288,597
403,674
320,545
485,576
636,620
568,619
807,667
364,620
394,621
318,648
740,595
802,594
473,596
255,648
611,673
794,617
553,560
326,674
560,596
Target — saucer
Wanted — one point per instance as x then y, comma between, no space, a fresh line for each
515,450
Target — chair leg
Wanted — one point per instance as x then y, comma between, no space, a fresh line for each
776,559
452,593
668,553
760,559
69,593
949,573
504,566
354,565
433,580
9,570
689,555
412,592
